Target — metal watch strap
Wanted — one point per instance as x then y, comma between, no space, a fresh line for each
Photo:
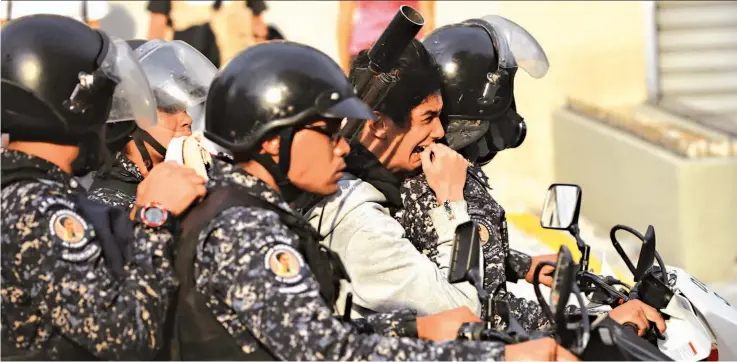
448,210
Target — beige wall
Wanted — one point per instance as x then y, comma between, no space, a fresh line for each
596,51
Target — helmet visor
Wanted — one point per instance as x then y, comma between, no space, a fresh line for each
180,77
517,47
132,98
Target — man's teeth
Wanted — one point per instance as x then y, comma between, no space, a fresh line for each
419,149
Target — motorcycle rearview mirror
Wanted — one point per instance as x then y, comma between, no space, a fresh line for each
561,212
563,286
561,207
464,263
564,279
647,254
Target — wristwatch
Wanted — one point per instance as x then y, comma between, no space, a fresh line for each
153,215
448,210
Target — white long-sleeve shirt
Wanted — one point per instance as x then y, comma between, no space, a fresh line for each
387,271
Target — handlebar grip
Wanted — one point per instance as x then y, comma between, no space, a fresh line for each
632,326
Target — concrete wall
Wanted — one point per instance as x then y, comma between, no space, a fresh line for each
596,51
626,180
595,48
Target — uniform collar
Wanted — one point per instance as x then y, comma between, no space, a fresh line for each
13,160
223,174
129,168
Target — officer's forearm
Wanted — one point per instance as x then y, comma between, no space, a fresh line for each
399,323
518,264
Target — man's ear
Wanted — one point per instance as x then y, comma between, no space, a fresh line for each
271,146
379,127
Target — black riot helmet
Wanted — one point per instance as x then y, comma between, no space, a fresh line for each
479,59
61,92
273,89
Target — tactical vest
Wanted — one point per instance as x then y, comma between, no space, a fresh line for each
196,333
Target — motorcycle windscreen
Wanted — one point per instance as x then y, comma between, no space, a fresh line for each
517,48
133,98
686,337
180,77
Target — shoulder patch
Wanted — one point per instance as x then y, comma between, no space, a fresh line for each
483,234
285,263
73,232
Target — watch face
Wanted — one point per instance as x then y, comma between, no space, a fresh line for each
154,216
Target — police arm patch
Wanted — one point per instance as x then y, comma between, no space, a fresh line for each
73,233
287,267
484,234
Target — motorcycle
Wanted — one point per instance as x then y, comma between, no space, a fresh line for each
602,339
699,322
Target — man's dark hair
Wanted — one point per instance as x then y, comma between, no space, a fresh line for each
279,255
419,77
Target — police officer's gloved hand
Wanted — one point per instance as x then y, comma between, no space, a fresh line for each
444,326
172,186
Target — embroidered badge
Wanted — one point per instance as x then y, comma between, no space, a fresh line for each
74,233
483,234
70,228
285,263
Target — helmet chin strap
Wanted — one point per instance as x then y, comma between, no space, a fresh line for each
139,137
279,171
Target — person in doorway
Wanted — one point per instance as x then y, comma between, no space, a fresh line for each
361,22
89,12
217,29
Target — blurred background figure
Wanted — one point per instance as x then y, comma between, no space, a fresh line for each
361,22
89,12
217,29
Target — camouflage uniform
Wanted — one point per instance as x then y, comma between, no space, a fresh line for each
122,171
260,302
57,293
500,263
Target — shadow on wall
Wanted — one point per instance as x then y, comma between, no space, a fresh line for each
119,22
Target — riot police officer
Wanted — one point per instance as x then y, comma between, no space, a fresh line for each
79,280
255,284
179,76
479,59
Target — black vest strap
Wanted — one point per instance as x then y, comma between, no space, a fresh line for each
198,334
105,181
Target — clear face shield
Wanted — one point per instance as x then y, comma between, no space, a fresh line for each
133,98
180,77
517,48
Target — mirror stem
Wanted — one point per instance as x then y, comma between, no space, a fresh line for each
582,247
474,278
